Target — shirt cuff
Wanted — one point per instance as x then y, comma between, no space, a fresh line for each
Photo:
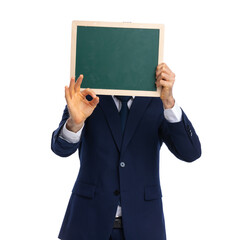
174,114
70,136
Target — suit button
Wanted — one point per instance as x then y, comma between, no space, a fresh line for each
122,164
116,192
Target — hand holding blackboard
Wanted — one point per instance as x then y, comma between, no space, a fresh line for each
79,107
165,79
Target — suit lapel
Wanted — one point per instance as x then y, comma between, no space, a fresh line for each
136,112
111,113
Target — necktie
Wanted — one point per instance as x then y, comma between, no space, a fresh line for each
124,110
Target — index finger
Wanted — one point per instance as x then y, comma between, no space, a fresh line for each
163,68
88,91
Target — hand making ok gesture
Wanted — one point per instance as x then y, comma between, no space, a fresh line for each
78,106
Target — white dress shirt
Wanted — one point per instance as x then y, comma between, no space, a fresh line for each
172,115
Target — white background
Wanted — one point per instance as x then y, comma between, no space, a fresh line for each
201,199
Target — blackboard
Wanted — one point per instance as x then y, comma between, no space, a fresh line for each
117,58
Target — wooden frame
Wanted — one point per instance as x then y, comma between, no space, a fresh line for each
118,25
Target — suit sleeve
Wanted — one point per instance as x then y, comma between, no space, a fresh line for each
60,146
181,139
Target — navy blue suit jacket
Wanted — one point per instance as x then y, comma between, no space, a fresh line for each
92,206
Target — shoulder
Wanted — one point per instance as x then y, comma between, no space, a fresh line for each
154,101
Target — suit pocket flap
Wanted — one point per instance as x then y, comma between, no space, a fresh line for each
84,189
152,192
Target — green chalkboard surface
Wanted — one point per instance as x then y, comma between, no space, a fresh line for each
115,58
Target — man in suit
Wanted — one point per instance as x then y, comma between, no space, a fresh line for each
117,193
